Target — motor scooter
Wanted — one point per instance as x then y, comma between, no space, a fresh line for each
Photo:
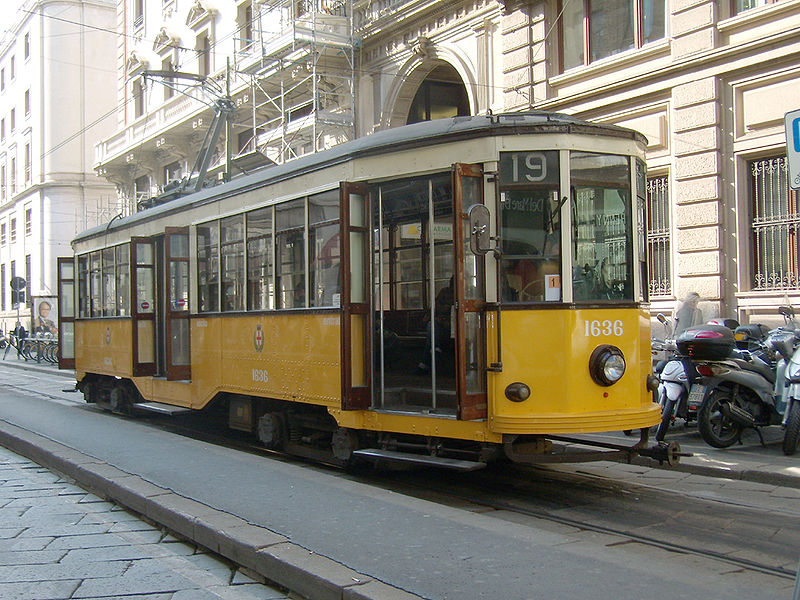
677,377
791,416
740,393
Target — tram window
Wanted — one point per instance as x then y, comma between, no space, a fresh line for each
324,247
290,253
109,284
261,294
641,223
531,226
409,281
443,259
178,273
208,266
601,228
123,253
406,240
83,286
232,257
95,279
145,282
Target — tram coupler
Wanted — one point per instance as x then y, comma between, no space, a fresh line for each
664,452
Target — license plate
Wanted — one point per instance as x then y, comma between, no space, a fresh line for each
696,395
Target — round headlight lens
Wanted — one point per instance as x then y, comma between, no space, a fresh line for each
614,367
607,365
518,392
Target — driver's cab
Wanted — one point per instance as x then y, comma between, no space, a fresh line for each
430,276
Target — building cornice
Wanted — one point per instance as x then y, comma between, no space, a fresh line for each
34,189
394,21
718,60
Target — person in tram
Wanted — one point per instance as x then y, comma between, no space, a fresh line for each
440,328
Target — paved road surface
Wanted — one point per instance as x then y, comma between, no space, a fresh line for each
350,539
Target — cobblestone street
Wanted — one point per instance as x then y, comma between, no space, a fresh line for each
57,541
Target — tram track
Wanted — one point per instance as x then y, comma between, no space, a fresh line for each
626,536
544,493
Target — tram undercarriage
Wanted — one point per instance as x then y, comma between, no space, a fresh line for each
310,432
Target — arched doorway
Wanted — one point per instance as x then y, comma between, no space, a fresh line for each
441,94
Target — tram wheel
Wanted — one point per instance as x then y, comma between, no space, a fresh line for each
271,430
90,393
344,442
120,401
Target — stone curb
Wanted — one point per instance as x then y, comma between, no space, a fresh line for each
752,475
745,472
265,552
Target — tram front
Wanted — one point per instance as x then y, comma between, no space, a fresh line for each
569,341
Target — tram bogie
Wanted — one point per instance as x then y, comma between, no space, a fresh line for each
352,302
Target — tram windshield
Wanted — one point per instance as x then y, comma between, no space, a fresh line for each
601,227
531,227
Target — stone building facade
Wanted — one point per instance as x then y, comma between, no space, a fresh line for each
710,95
55,87
707,81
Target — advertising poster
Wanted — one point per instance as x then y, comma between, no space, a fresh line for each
45,314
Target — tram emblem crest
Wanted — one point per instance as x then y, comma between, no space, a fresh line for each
108,336
258,339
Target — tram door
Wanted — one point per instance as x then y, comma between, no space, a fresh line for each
356,340
160,280
143,310
176,347
427,296
470,320
66,313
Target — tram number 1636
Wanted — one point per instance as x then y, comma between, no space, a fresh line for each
596,327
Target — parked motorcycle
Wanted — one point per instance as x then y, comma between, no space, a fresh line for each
740,392
791,416
677,377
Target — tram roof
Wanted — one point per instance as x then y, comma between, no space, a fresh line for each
388,140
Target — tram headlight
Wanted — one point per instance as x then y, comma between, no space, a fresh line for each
607,365
518,392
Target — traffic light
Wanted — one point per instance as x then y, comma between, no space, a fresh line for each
18,285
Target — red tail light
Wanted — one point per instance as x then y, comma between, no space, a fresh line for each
706,334
705,370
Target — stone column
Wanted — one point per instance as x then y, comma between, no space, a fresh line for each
517,52
693,26
697,188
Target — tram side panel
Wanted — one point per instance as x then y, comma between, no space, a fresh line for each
103,347
293,357
549,350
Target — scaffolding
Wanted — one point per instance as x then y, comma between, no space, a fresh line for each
297,60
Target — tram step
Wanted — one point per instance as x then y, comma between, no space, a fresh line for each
420,459
162,409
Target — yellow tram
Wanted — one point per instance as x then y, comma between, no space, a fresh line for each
446,292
